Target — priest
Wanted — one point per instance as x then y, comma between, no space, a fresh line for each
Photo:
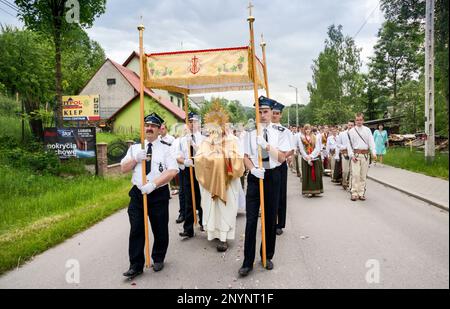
219,166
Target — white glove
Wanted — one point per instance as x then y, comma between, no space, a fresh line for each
139,156
188,163
258,172
262,142
148,188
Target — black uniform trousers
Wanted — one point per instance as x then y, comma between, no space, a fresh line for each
158,213
283,200
272,182
188,225
181,192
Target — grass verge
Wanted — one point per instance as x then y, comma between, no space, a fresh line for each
415,161
38,212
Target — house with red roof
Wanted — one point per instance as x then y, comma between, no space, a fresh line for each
118,86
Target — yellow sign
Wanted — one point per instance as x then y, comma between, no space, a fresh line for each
200,71
81,108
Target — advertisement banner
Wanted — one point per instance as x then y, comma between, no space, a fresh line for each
71,142
81,108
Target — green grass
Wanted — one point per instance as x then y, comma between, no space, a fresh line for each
38,212
415,161
12,126
111,137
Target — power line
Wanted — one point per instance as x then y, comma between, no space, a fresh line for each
367,19
11,5
7,12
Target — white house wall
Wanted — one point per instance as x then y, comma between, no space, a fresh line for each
112,97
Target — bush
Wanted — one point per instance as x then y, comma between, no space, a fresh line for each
8,107
36,160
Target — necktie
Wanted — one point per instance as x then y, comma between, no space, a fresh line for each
148,164
192,147
264,153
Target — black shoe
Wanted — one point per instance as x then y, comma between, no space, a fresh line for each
279,232
269,265
202,229
180,219
186,235
158,266
244,271
131,273
222,246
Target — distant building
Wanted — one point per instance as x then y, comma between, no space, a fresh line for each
119,86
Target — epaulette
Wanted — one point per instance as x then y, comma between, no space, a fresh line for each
165,143
280,128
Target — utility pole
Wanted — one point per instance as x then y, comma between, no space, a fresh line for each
296,103
429,83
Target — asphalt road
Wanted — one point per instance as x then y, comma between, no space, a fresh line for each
392,239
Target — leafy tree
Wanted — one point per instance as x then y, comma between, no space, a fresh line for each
397,59
25,68
57,19
399,56
236,111
337,87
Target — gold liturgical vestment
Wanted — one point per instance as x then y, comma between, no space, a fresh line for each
217,163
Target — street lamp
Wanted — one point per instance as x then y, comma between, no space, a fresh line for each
296,102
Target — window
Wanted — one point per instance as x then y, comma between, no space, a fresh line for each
171,99
179,102
111,81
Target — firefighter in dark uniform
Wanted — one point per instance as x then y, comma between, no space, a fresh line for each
189,145
161,167
276,119
274,146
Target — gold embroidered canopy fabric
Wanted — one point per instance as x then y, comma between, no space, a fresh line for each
202,71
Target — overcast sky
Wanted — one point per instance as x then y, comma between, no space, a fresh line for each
294,30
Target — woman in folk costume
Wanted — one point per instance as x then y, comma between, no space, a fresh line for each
219,165
310,149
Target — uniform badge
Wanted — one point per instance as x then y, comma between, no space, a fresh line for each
161,169
281,129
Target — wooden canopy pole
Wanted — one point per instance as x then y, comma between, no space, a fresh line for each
144,175
251,20
191,171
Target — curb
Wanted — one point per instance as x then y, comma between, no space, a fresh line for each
436,204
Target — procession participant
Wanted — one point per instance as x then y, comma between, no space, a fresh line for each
165,136
361,146
274,146
309,145
343,144
161,167
181,131
381,141
333,151
190,144
219,165
324,137
277,113
298,156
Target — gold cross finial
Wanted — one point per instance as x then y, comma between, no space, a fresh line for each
250,6
141,25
